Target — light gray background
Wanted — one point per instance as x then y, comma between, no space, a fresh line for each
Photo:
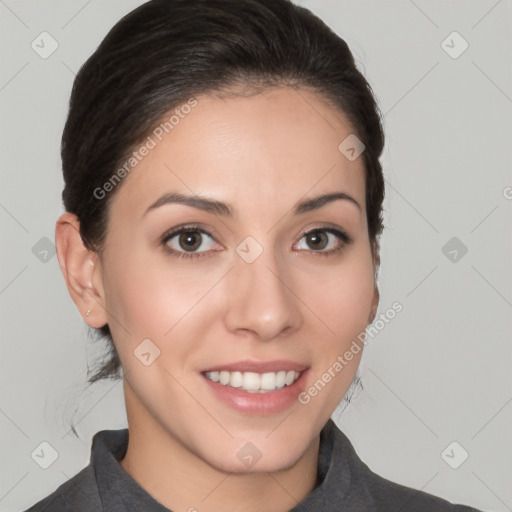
439,372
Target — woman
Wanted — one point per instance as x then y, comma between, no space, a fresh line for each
223,198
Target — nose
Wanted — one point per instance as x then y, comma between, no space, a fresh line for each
261,300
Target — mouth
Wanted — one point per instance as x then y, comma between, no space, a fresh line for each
254,382
257,387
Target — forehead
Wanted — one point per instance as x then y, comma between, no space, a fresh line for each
254,152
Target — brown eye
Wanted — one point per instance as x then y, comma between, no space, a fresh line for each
317,240
324,240
190,240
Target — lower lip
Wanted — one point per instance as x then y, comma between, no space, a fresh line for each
258,403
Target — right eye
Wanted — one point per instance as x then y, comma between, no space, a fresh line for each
188,242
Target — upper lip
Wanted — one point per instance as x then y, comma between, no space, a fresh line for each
258,366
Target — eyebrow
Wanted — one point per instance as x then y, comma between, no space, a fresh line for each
225,210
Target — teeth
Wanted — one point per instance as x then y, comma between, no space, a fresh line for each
254,382
236,380
251,381
280,379
290,378
268,381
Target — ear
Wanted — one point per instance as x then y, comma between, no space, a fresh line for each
81,269
376,294
375,304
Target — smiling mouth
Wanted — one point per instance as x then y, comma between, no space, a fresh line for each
253,382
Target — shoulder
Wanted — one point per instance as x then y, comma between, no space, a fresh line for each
78,494
391,496
382,494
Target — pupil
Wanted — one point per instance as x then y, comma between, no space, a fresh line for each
190,241
318,240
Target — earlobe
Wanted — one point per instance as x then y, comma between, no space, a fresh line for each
78,264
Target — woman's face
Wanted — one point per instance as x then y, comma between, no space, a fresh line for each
256,292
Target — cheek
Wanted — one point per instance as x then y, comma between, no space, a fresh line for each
168,305
342,297
148,300
343,303
342,300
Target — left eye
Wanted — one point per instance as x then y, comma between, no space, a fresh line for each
323,240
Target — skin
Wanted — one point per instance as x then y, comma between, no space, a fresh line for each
262,154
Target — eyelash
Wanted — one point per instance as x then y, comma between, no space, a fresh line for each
342,236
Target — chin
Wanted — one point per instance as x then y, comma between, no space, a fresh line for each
271,463
258,456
